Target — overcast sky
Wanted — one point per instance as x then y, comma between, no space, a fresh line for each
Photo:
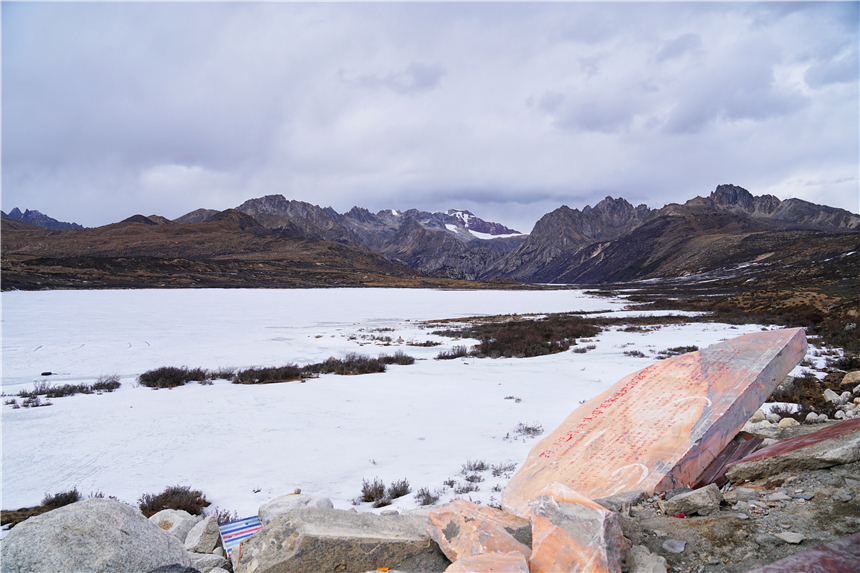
508,110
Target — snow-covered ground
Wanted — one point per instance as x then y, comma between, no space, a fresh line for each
245,445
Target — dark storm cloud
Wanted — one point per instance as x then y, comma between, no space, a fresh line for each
508,109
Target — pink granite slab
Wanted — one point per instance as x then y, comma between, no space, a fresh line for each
659,428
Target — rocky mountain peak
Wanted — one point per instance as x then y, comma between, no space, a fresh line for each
38,219
268,205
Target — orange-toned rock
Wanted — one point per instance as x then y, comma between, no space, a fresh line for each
659,428
513,562
572,533
463,529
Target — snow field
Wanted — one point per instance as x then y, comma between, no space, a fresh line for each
326,435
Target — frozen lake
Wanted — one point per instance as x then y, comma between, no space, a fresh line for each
244,445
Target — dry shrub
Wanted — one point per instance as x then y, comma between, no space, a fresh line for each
173,497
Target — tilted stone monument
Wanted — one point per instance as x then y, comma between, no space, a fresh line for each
659,428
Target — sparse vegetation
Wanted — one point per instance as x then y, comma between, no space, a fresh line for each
107,383
525,431
173,497
476,466
634,353
458,351
171,376
61,499
425,344
501,469
522,338
399,489
514,398
372,491
223,515
467,487
678,350
424,497
351,364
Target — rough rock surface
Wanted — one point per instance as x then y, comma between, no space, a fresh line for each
779,457
851,378
206,562
268,511
513,562
176,522
840,555
314,539
92,535
204,536
572,533
463,529
641,560
661,427
702,501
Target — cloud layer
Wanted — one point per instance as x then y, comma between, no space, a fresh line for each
509,110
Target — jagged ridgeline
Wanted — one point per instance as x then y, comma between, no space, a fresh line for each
275,242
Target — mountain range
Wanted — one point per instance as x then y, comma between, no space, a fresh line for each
269,241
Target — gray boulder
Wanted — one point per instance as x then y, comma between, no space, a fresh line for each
176,522
206,562
641,560
285,503
703,501
316,539
96,534
204,536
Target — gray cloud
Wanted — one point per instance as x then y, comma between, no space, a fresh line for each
416,78
509,109
679,46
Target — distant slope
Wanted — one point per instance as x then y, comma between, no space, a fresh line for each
230,249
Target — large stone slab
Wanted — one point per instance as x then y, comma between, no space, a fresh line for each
836,444
573,533
310,540
464,529
659,428
92,535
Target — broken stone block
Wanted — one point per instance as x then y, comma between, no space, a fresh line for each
851,378
513,562
204,536
268,511
674,545
834,445
703,501
641,560
618,501
758,416
572,533
316,539
176,522
463,529
790,537
659,428
833,397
